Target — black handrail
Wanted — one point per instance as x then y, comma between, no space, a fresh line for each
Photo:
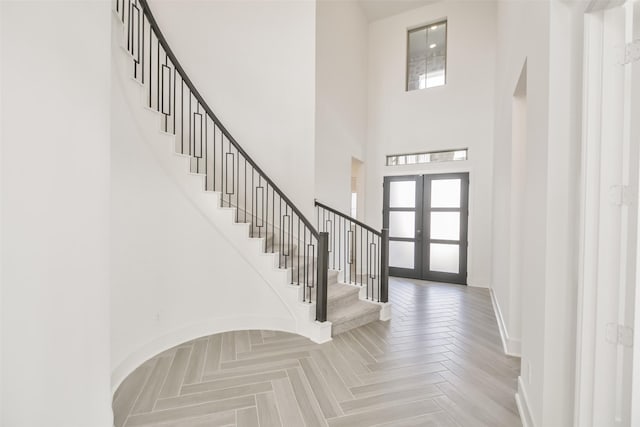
350,218
174,60
227,167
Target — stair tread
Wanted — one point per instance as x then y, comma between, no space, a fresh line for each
340,290
352,311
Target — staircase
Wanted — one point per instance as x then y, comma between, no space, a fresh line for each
345,309
328,296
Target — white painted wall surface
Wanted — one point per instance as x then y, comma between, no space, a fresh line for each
548,36
55,214
523,32
254,63
563,190
341,98
176,274
457,115
1,234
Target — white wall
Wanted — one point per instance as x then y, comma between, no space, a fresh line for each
548,36
254,63
55,206
1,234
341,96
176,275
457,115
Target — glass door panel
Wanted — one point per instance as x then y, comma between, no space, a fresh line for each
401,254
402,194
402,224
445,193
445,225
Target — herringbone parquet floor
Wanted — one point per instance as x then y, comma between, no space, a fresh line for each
438,362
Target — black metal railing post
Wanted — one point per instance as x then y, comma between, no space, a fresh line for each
323,268
384,266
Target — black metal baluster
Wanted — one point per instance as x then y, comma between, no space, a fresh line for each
173,99
282,242
273,231
312,268
222,174
206,151
158,75
304,264
361,263
266,219
298,257
142,48
229,155
213,149
150,62
333,241
253,210
197,120
181,115
128,26
164,71
237,184
290,241
135,38
191,141
339,242
281,225
367,249
346,252
261,207
379,266
221,163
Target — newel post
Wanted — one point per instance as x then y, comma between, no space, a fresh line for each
384,266
323,268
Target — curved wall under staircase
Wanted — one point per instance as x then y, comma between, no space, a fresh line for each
180,267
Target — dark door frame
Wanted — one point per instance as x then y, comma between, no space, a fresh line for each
414,273
423,227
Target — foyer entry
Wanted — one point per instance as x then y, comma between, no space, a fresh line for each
427,218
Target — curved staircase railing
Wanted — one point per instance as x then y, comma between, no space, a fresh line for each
214,153
358,250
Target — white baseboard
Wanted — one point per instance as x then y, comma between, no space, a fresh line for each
511,346
522,401
472,283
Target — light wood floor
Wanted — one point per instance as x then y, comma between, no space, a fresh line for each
438,362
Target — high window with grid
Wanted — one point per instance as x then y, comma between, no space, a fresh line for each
427,56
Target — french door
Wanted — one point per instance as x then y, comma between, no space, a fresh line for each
427,218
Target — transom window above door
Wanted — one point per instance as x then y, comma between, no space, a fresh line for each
427,56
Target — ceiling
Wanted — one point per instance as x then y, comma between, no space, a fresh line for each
378,9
